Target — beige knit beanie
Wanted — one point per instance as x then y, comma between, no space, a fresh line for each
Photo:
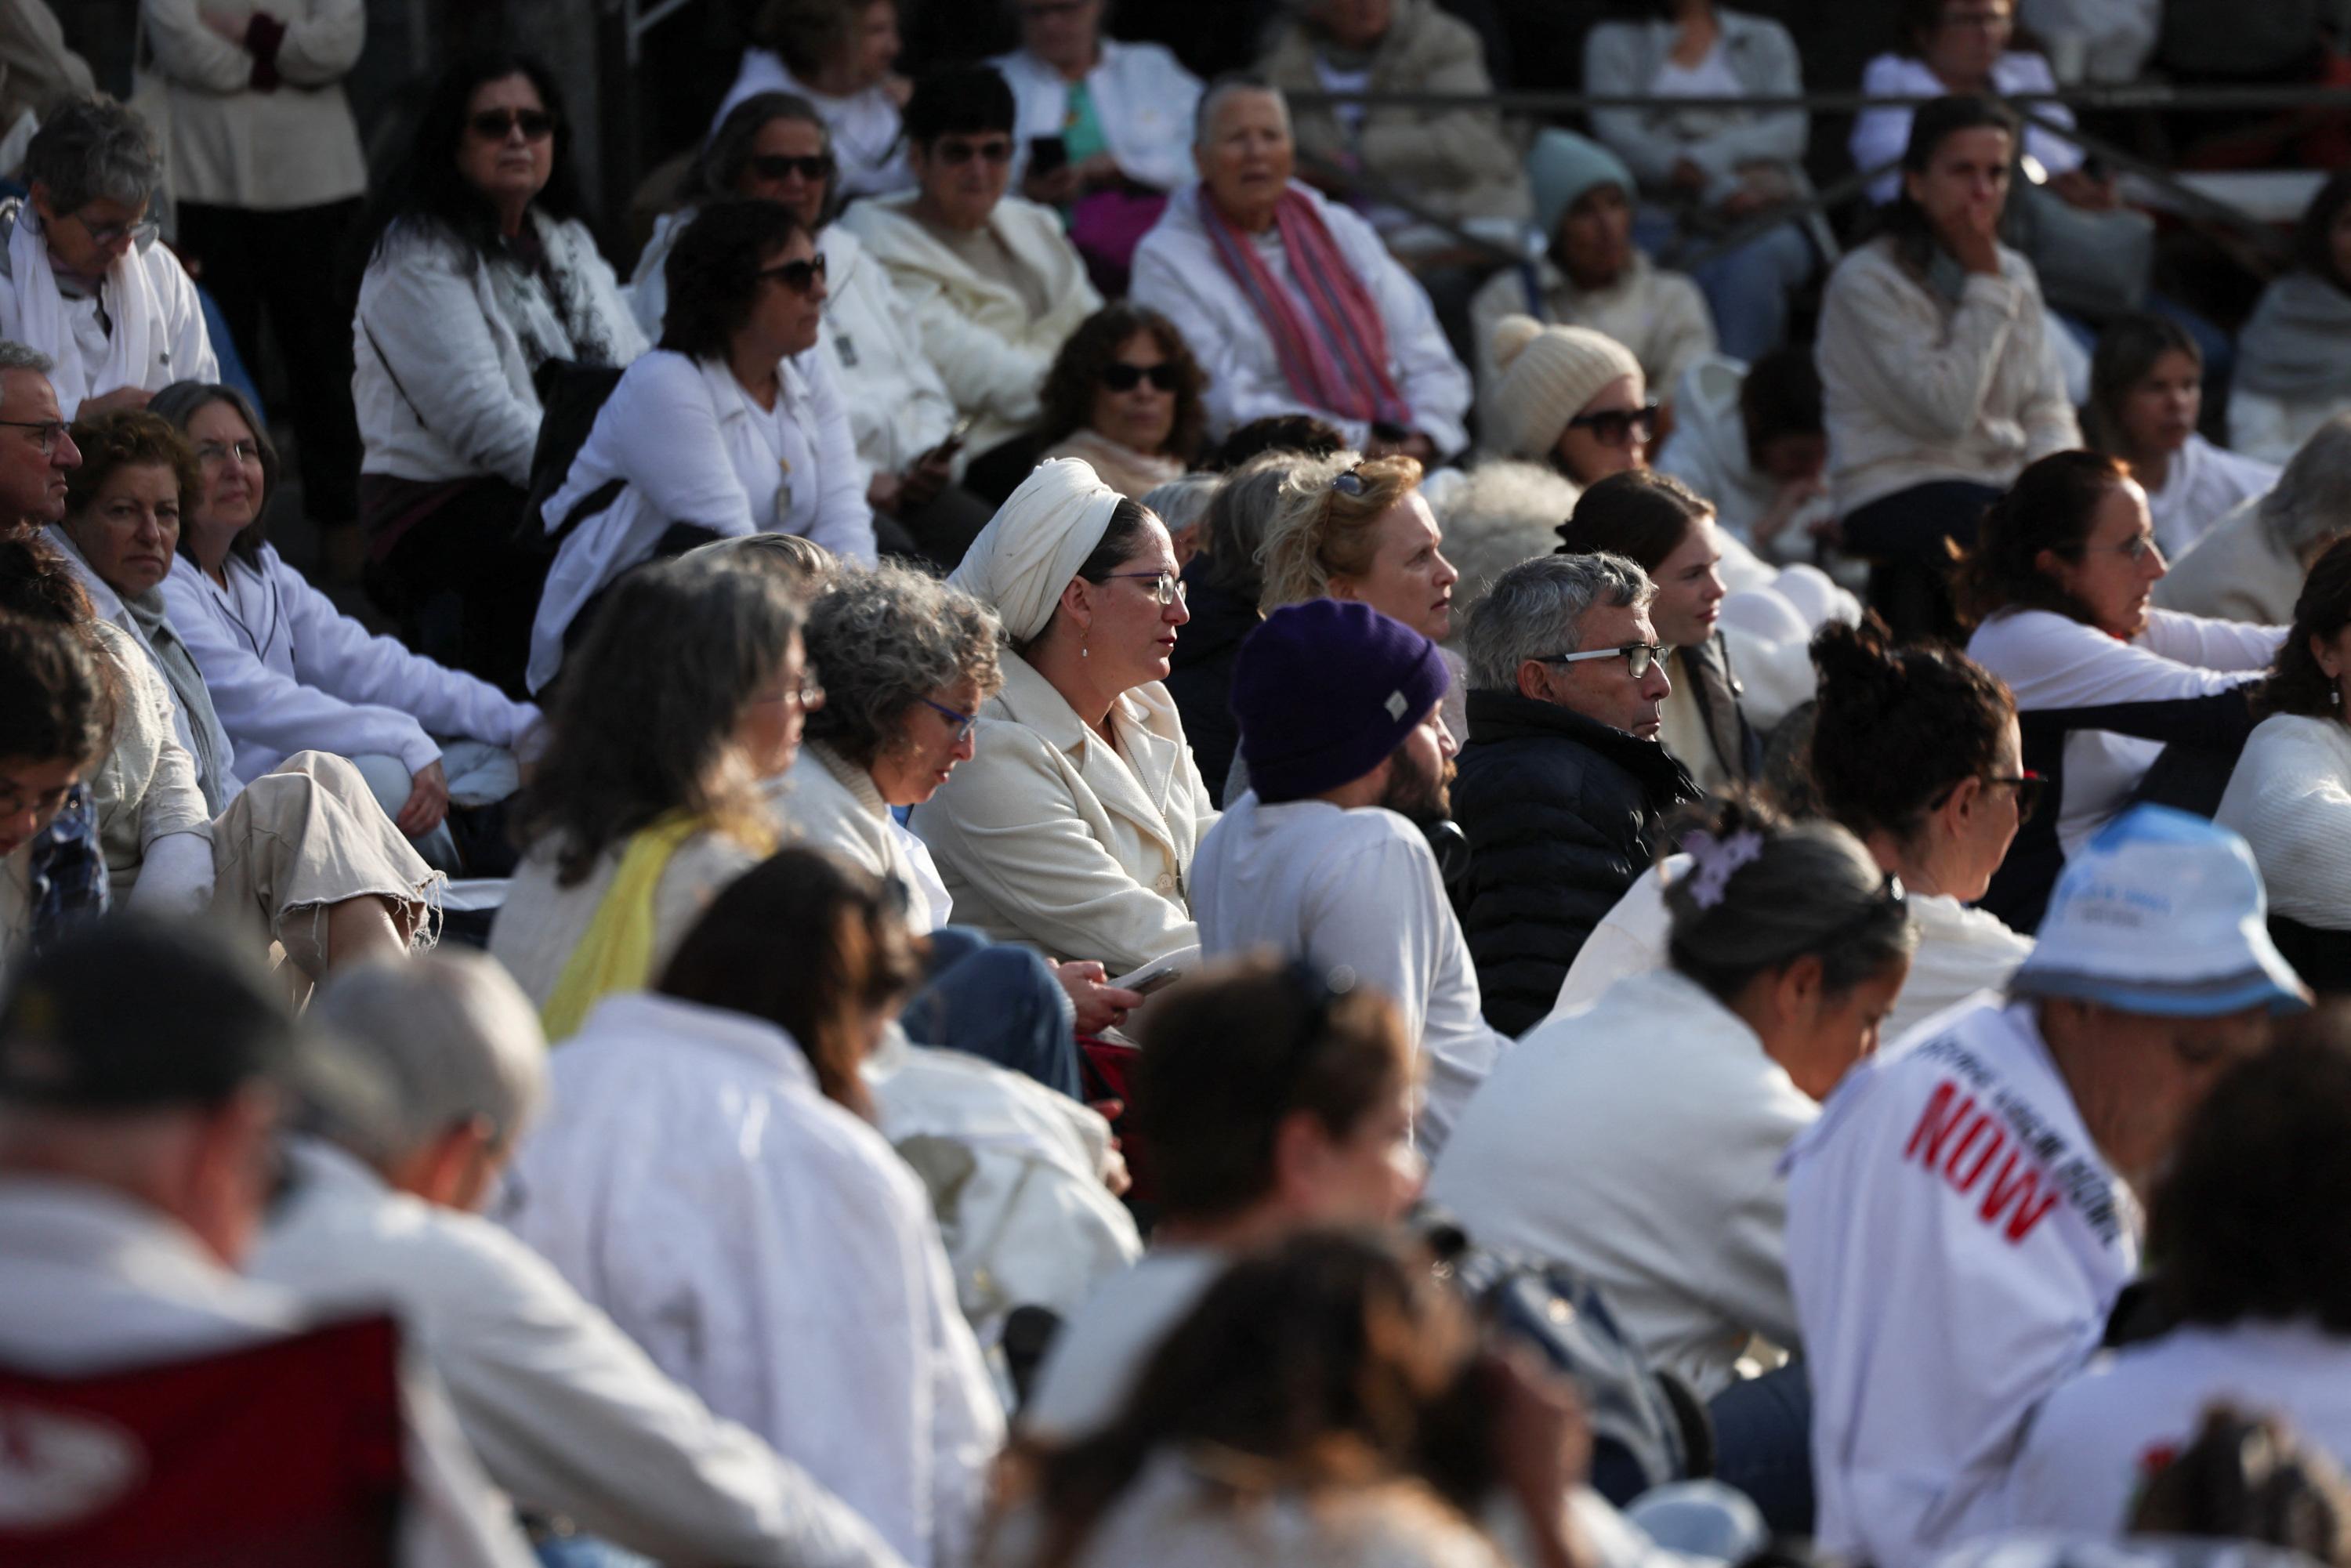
1546,375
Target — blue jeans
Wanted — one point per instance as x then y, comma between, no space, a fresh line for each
1746,289
1000,1001
1763,1445
586,1552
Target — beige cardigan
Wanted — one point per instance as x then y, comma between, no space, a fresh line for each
147,786
1050,838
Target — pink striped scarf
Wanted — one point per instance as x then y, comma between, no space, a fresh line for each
1335,358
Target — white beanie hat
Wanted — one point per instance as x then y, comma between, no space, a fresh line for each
1546,375
1035,544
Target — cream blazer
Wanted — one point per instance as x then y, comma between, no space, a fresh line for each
1048,837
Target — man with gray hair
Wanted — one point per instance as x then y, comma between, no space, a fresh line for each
37,450
2250,566
565,1411
1563,786
83,277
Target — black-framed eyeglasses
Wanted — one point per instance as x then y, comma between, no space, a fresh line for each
2029,786
1120,376
497,125
781,166
1165,586
52,430
1615,426
1638,657
965,722
955,152
800,277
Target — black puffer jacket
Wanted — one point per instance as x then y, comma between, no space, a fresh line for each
1562,814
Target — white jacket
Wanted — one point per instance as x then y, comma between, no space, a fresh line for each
2290,797
1954,1243
1050,837
1639,1143
288,672
295,145
1177,273
828,802
1142,100
566,1413
1962,951
151,332
977,332
96,1283
2203,484
691,446
1360,891
771,1252
441,376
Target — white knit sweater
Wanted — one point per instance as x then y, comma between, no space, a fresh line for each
2290,797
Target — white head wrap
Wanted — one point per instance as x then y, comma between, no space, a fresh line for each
1035,544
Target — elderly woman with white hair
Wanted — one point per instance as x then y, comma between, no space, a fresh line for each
86,281
1073,826
2250,566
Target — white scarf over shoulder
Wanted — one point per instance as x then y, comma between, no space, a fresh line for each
41,312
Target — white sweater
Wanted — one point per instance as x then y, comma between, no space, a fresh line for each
2290,797
295,145
1917,390
1142,100
288,672
2203,484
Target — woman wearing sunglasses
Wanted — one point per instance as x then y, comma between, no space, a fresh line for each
730,427
993,287
1942,821
479,270
1125,397
2120,703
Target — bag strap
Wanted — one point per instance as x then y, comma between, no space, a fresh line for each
587,507
380,360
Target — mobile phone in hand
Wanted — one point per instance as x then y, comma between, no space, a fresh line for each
1047,154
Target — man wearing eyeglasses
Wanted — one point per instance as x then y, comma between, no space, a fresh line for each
37,450
82,277
1564,787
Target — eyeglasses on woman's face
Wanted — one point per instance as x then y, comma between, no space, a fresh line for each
1638,657
800,276
1165,586
802,692
957,150
1615,426
1120,376
2028,785
780,167
497,125
214,453
964,723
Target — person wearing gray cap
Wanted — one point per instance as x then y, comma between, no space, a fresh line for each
143,1070
1965,1213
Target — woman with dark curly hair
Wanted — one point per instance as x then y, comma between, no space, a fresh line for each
1124,395
2253,1264
2291,794
730,427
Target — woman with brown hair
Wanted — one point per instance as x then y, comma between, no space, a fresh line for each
712,1180
1124,395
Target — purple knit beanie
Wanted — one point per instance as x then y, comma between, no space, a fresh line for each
1323,691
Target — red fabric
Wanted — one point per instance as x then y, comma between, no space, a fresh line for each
284,1454
1109,1075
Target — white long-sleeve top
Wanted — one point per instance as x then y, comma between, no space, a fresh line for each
2290,797
866,143
691,445
2055,662
1177,273
567,1413
96,1283
1356,890
1640,1143
442,367
1955,1244
1142,100
770,1251
1879,135
1916,389
288,672
295,145
145,326
2204,483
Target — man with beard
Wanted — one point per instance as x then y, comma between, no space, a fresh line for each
1564,784
1321,861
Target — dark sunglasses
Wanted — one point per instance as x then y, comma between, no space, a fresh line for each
497,125
956,151
2029,787
800,277
1120,376
1615,427
778,166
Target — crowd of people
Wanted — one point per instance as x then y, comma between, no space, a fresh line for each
1120,824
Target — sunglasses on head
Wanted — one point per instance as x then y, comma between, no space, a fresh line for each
954,150
497,125
1120,376
1615,426
780,167
800,277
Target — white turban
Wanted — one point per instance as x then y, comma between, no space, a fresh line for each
1035,544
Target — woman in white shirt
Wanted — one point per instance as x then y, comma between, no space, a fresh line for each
732,426
1640,1143
288,672
709,1175
479,271
839,55
2147,391
2106,688
2291,794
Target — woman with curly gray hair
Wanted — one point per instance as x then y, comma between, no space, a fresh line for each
907,661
